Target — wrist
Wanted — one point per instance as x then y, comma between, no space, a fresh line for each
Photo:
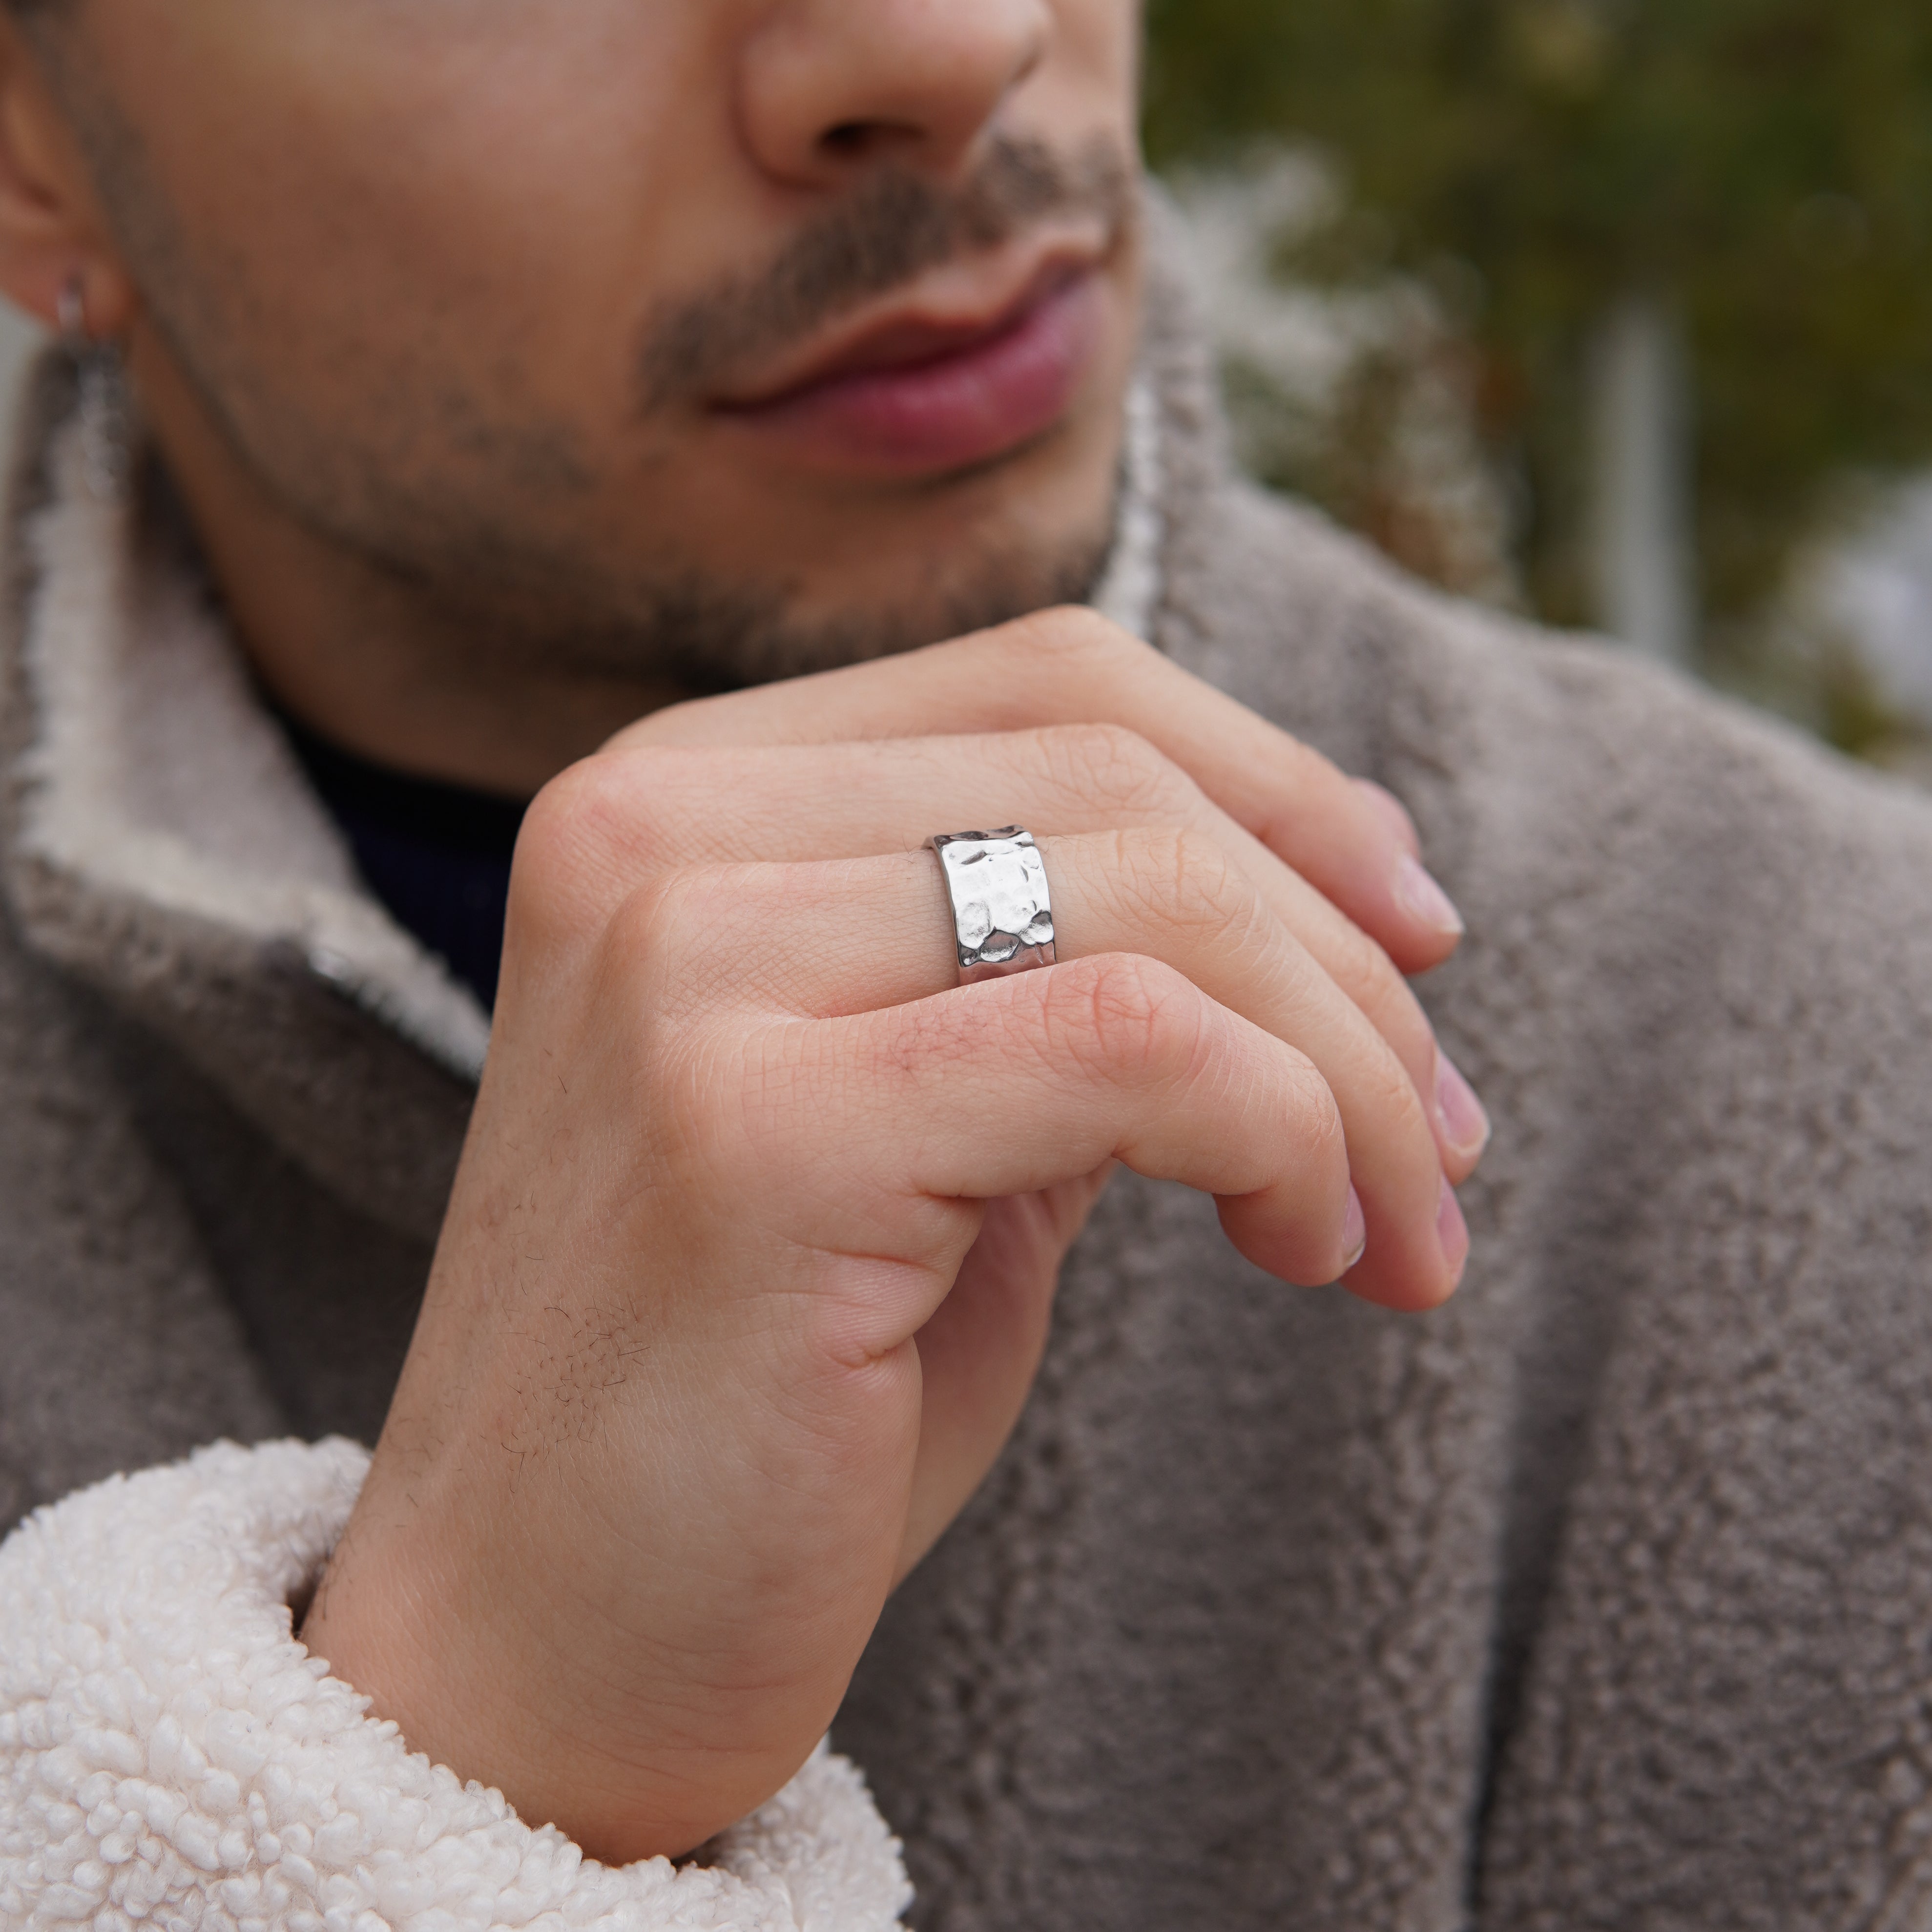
474,1651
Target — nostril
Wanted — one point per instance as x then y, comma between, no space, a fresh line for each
847,141
859,140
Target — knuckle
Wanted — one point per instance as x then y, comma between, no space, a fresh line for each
1185,878
1075,637
1399,1103
1115,764
1371,979
660,941
545,865
1385,1100
1131,1016
583,804
576,835
1325,1139
656,912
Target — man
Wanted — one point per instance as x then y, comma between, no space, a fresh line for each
512,373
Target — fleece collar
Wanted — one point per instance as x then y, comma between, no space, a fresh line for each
152,775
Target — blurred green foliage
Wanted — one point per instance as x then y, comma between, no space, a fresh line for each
1762,166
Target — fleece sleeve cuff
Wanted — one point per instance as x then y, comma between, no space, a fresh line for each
169,1756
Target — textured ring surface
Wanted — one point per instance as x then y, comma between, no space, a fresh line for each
1002,917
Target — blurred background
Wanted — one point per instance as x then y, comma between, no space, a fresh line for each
1616,312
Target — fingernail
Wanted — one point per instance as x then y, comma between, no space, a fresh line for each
1465,1125
1354,1231
1424,901
1452,1230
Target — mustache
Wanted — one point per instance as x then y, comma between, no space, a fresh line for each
893,227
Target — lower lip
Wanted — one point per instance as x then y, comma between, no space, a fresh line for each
979,402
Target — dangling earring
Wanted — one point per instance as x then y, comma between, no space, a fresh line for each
105,428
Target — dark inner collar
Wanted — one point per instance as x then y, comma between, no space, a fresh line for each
437,855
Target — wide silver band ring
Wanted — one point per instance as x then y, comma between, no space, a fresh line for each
1002,916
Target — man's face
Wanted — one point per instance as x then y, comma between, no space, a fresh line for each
719,338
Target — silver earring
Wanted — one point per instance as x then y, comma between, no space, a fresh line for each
106,429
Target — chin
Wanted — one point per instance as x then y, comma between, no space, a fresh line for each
995,551
953,589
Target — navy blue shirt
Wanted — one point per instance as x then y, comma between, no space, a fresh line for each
437,855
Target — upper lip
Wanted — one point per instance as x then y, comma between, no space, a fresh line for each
900,333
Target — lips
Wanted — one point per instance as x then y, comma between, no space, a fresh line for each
915,397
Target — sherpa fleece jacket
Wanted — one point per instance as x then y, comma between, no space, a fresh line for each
1601,1598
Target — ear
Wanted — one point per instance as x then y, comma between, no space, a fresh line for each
52,234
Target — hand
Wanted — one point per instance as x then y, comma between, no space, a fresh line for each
749,1260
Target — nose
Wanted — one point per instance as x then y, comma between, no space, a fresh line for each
829,89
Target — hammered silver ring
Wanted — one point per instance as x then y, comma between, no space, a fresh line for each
1002,916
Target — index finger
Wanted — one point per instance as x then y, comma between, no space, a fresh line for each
1351,841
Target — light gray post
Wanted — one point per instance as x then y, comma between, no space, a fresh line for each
1642,555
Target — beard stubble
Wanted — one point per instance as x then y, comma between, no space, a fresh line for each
509,597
